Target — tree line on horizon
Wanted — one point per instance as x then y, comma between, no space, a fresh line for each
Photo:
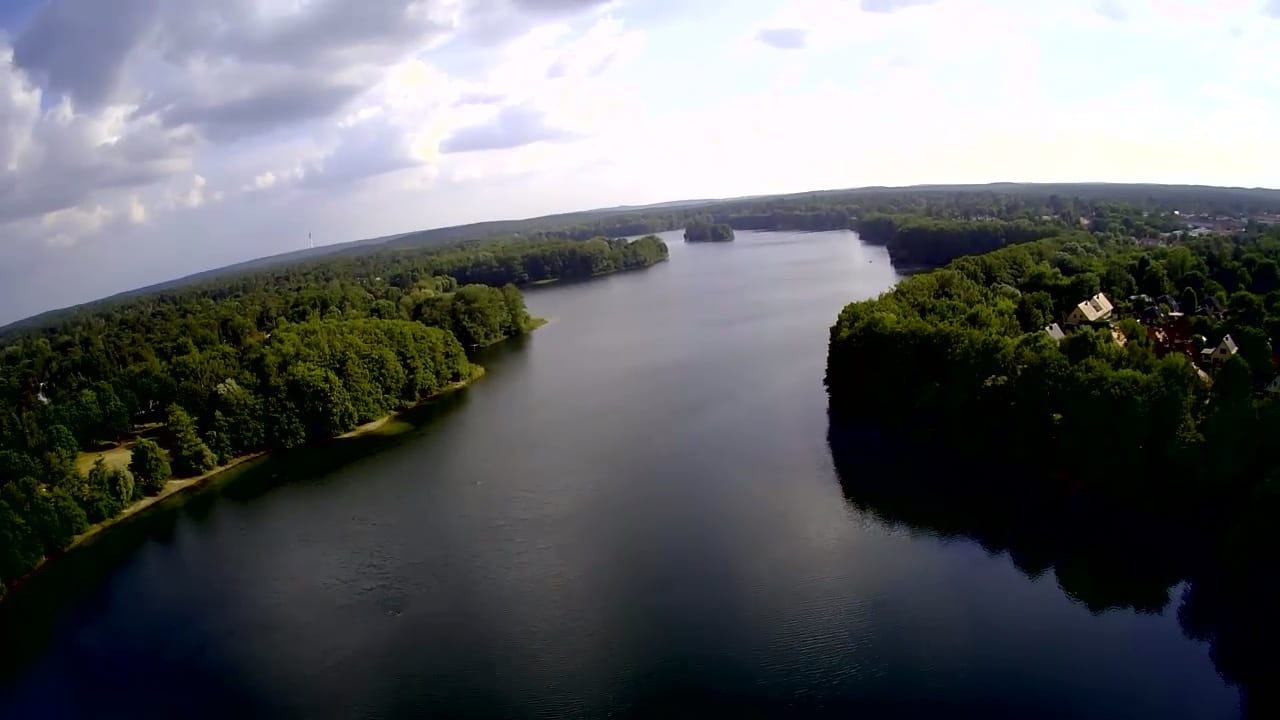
1123,209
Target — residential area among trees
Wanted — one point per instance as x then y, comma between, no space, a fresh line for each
1094,398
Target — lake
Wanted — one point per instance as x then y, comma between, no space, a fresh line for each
636,511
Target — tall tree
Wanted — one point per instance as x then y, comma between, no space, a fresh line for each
191,456
150,466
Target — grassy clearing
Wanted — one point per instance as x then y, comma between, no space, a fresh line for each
117,456
173,487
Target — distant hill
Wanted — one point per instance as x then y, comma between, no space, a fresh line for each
638,219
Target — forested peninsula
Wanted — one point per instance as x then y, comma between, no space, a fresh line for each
1109,391
193,377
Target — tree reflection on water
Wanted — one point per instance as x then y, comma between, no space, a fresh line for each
1105,558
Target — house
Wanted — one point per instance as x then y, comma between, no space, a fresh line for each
1118,337
1211,306
1273,388
1055,332
1170,301
1094,309
1219,354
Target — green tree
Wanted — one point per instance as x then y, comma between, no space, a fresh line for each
517,320
1118,283
1188,301
20,546
1035,311
1195,280
122,487
479,315
59,441
322,404
57,518
1155,281
150,466
1085,285
1266,277
1246,309
191,456
98,498
15,464
1255,348
1179,262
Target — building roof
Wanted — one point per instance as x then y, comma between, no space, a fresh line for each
1055,332
1229,345
1095,307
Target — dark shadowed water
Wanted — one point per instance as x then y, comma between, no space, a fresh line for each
634,512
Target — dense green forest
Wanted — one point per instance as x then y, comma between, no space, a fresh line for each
1120,437
703,231
923,242
269,359
966,343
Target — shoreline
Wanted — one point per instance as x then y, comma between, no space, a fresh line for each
177,487
595,276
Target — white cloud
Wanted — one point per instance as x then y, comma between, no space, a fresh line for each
265,180
606,43
67,226
63,157
137,211
192,197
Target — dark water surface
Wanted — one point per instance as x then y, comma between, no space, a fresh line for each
634,512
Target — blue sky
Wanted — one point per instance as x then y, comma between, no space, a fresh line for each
141,140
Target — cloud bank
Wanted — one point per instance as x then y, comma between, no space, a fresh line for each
145,139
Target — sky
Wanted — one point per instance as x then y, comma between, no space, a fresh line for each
143,140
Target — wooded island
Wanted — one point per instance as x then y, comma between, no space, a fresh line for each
708,232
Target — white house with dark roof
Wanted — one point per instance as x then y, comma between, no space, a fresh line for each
1094,309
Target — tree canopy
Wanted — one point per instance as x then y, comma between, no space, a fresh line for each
705,231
